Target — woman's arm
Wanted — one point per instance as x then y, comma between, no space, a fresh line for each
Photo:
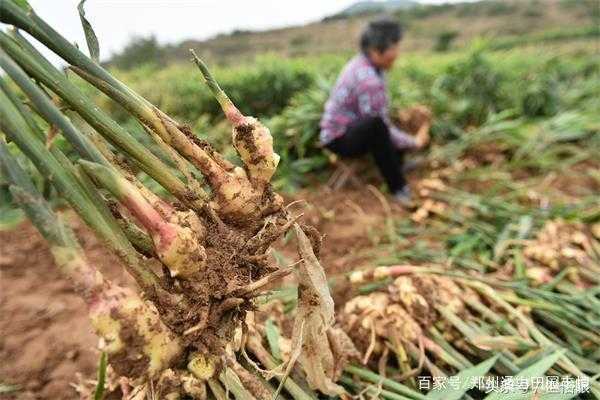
373,101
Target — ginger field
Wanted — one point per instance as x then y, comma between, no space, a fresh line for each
490,278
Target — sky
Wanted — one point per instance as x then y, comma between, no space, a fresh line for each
171,21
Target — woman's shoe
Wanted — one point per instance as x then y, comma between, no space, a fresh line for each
403,196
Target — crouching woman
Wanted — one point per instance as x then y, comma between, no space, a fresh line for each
356,120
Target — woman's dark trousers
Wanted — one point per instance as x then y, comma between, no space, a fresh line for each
371,135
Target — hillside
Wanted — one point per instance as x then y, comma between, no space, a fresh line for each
426,26
370,6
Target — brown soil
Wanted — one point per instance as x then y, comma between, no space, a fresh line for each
46,340
351,221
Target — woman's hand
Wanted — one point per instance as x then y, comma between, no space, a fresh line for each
417,121
422,137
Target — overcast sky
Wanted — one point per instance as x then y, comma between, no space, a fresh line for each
117,21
